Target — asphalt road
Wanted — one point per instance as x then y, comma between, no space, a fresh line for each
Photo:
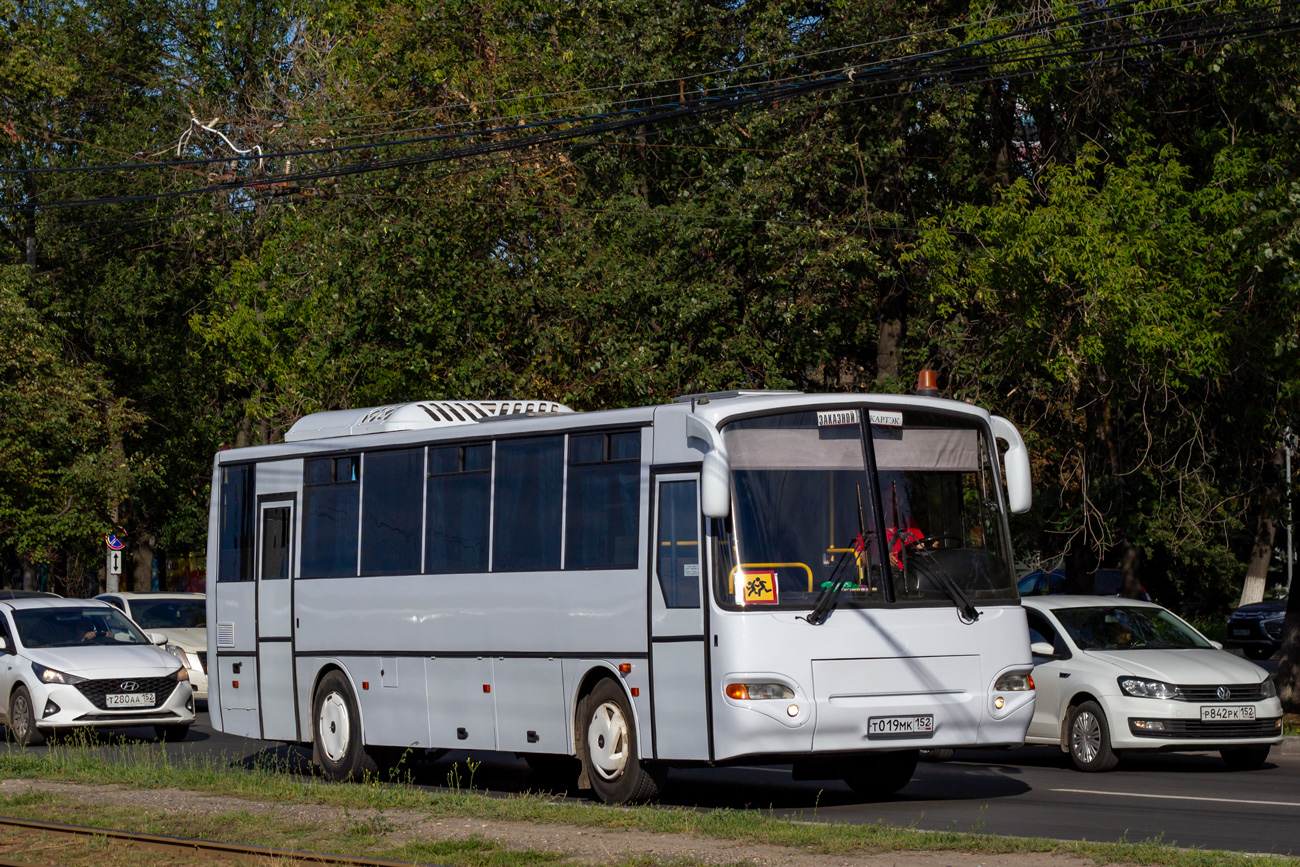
1183,799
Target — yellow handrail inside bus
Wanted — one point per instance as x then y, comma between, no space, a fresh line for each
731,576
857,558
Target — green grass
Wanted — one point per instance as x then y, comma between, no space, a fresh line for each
73,761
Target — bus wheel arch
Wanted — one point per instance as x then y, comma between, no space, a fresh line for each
608,744
337,729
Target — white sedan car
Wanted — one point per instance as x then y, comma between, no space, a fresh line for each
70,663
182,617
1117,674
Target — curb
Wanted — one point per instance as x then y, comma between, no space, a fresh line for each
1290,746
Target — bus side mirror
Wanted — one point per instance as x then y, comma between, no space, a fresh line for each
1020,486
715,469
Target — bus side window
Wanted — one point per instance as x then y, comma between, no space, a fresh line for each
331,502
603,501
459,496
678,565
390,512
528,504
235,556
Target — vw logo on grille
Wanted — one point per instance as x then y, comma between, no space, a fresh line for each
1222,692
132,686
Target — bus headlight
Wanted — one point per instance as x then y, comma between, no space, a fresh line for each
1014,683
759,691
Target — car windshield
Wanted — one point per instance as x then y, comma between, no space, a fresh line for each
170,613
76,627
803,495
1122,627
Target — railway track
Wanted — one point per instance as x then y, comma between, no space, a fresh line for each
212,849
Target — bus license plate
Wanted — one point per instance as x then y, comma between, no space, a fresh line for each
1231,713
143,699
900,726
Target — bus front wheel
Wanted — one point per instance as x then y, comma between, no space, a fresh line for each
879,775
336,731
613,760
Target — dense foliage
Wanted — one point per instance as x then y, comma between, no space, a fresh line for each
1102,246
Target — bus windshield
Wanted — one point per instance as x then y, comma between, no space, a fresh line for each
804,497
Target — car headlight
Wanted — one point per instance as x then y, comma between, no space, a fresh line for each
183,673
49,675
1141,687
1267,689
178,653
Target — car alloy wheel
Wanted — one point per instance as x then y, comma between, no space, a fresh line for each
1089,738
1085,737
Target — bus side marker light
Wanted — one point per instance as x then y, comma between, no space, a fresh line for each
624,667
487,687
234,684
636,691
365,684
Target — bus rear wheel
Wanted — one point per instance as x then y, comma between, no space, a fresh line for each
337,745
879,775
611,755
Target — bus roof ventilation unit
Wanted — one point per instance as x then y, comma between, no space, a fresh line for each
729,395
421,415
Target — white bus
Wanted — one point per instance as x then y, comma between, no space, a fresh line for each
817,580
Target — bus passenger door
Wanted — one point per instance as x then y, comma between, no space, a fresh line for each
678,649
275,523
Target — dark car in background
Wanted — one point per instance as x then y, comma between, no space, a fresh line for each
1105,582
1257,629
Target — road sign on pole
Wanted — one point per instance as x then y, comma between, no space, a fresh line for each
114,562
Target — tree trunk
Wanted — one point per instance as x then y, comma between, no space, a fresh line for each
1130,556
1261,551
1079,565
887,347
243,432
142,573
1288,669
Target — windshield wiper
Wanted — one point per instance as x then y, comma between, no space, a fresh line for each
830,594
949,587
